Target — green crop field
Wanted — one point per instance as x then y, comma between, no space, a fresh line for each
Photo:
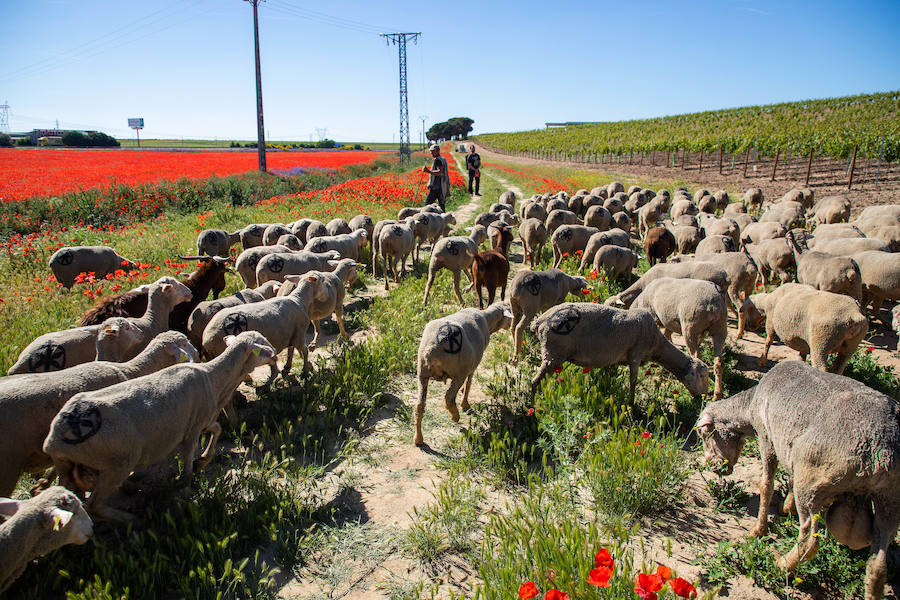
831,127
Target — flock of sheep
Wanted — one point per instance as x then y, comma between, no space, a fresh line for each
125,389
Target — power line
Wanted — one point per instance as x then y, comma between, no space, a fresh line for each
285,7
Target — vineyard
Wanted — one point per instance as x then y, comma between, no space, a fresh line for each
833,127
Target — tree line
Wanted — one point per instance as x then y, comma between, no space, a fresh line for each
457,128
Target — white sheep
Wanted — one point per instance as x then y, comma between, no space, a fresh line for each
29,402
348,245
568,240
276,267
823,271
337,226
531,292
205,311
741,270
216,242
830,209
331,300
455,254
615,261
594,335
880,274
291,241
616,237
37,526
273,232
100,437
246,262
697,269
451,348
772,257
693,308
396,242
68,262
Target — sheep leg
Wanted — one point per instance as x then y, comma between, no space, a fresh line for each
883,530
339,317
230,413
450,398
766,489
770,337
546,366
288,363
503,290
188,449
108,481
420,409
557,257
519,325
432,271
632,379
465,401
718,363
206,456
384,258
315,340
807,540
491,290
478,285
456,287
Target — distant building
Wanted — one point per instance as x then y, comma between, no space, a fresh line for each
36,134
567,123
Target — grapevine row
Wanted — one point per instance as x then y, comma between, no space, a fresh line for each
830,127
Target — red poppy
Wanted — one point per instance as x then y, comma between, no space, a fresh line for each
646,435
557,370
604,559
587,370
664,572
599,577
586,291
647,584
555,594
528,590
683,588
530,411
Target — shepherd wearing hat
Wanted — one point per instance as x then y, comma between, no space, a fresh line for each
439,182
473,166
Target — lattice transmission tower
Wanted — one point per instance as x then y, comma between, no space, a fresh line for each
400,40
4,117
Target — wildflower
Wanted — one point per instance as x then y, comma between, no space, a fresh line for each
675,393
586,291
555,594
604,559
645,435
530,412
557,370
646,585
599,577
565,255
869,348
664,572
551,575
636,444
528,590
683,588
586,370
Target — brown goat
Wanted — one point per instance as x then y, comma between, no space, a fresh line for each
209,275
659,243
491,269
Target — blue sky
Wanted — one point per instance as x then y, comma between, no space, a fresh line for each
187,66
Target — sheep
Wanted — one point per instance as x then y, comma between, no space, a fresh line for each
252,235
576,204
118,345
556,204
742,219
29,402
659,244
803,196
433,226
635,202
754,199
347,245
839,442
209,275
686,221
451,348
597,216
291,241
598,240
622,221
508,197
396,242
880,275
722,200
724,226
830,209
533,210
338,227
273,232
788,213
376,233
139,422
713,244
68,262
810,321
534,235
494,230
487,218
692,308
557,218
741,270
882,211
690,270
613,205
686,238
490,269
409,211
648,215
302,229
37,526
736,208
205,311
331,300
889,234
316,229
531,292
849,246
365,223
822,271
615,261
832,231
216,242
275,267
282,320
247,261
593,335
707,204
614,188
683,207
456,254
772,257
568,240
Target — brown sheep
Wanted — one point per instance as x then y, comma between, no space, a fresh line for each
659,244
490,269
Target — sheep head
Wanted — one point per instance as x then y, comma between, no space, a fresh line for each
722,443
259,350
696,380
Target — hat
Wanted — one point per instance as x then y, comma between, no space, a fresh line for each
434,147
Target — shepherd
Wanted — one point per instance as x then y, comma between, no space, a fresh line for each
473,166
439,182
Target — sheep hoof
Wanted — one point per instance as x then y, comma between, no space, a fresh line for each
465,407
758,531
761,363
419,441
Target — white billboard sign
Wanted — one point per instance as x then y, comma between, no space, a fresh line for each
136,123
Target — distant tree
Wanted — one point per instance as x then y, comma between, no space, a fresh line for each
25,141
5,141
101,140
455,128
326,143
76,138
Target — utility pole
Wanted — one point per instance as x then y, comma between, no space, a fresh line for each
423,117
4,117
400,40
260,132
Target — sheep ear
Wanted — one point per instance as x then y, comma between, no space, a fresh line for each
8,506
312,278
166,287
277,287
60,518
291,278
262,349
507,313
333,264
619,301
705,424
229,340
112,329
183,356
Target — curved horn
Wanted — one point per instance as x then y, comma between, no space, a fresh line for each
220,259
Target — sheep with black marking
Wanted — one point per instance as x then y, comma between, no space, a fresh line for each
594,335
205,311
248,260
532,292
29,402
688,270
534,235
110,432
568,240
216,242
616,237
455,254
692,308
68,262
276,267
451,348
36,527
348,245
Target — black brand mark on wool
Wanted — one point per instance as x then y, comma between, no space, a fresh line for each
49,357
533,284
565,321
65,257
565,235
453,248
235,324
449,337
276,264
83,421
